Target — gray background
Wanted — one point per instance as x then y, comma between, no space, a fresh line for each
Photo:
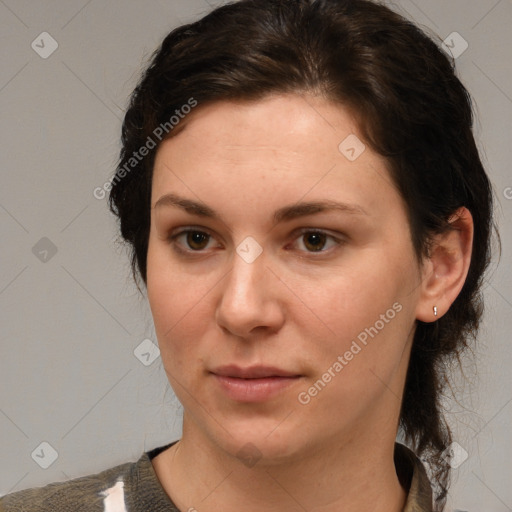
72,319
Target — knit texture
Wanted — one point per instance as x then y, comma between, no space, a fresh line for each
134,487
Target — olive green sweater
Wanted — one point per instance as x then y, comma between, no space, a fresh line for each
134,487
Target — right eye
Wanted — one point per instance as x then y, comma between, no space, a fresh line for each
190,240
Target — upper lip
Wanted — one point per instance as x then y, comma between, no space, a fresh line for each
252,372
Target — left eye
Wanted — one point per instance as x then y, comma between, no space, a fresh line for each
315,241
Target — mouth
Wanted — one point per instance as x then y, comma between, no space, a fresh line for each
253,384
252,372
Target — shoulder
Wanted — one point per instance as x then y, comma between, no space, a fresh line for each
84,494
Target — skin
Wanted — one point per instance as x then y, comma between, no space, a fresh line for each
293,307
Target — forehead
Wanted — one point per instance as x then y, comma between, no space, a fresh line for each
290,117
282,147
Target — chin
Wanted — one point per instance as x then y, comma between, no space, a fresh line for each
266,441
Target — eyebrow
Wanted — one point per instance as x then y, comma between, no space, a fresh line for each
285,213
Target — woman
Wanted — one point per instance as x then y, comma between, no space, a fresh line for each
306,206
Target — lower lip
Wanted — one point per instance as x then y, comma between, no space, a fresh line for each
253,390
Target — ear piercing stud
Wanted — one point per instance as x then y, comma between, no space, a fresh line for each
435,310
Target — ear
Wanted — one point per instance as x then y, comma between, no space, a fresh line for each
445,270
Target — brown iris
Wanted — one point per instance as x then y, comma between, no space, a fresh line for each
314,241
197,240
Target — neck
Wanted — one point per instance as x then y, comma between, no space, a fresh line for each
196,474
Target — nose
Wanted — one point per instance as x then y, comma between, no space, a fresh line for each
251,301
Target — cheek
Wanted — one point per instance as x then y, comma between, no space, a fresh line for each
367,314
180,308
364,352
358,296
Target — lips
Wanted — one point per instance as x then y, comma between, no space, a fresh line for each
253,384
252,372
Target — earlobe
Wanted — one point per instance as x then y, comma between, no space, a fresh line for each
446,268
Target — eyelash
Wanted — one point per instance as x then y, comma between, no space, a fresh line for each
172,238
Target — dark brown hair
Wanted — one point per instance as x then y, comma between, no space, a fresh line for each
411,108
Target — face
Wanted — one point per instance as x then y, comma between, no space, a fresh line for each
281,277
